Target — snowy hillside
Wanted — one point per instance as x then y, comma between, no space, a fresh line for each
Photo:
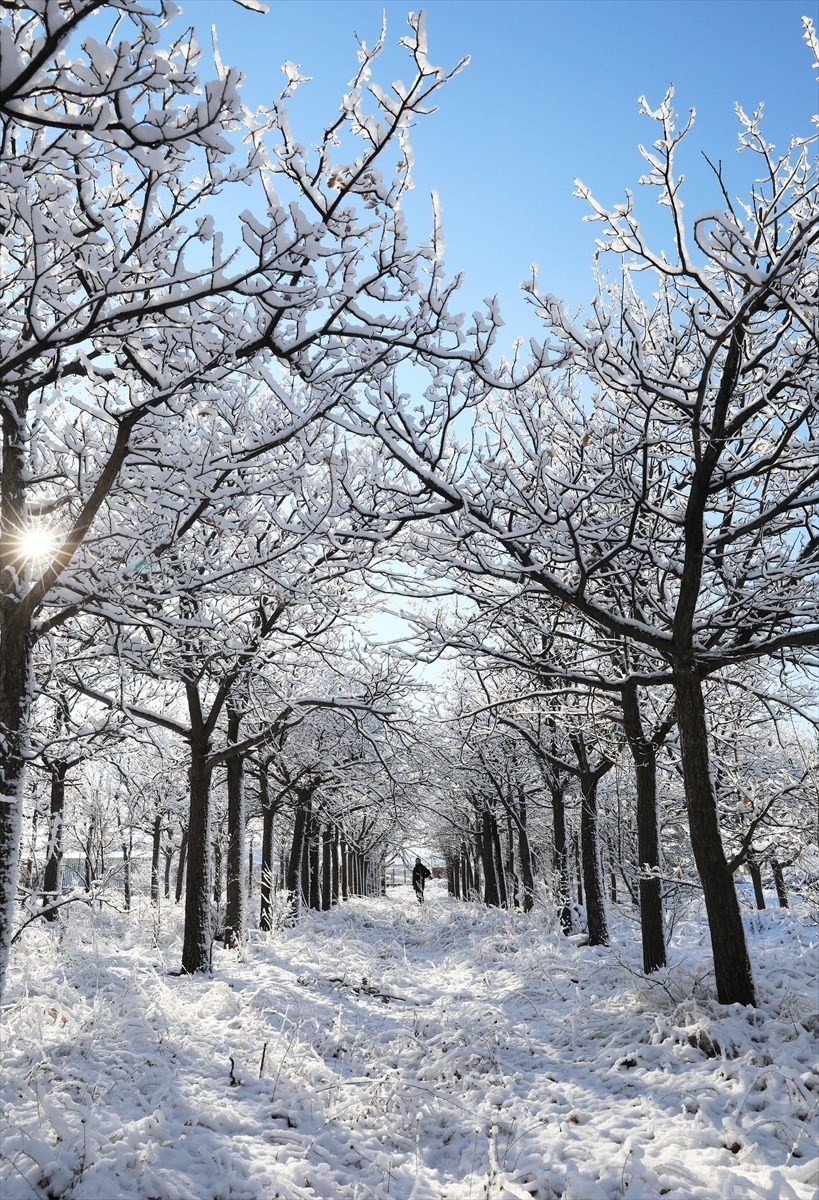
386,1051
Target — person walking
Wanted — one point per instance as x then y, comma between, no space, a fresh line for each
420,874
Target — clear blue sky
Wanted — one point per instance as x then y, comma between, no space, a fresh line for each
550,94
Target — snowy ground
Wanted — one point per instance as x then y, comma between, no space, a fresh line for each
385,1051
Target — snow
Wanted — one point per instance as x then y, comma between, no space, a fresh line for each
385,1050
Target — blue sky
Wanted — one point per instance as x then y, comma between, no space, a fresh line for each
550,94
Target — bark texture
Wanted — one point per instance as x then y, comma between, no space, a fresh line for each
732,966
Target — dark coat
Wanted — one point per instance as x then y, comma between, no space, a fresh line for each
420,874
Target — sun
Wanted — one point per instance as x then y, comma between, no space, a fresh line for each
36,542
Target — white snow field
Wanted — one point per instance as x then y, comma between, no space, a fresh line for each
386,1051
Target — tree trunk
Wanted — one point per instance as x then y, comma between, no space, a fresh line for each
732,965
335,872
592,870
266,888
27,871
513,882
16,684
236,888
304,871
648,834
126,867
156,849
756,880
314,864
486,846
198,937
88,852
561,855
168,852
497,854
217,871
181,864
483,841
578,868
469,882
52,878
327,848
525,856
779,884
294,863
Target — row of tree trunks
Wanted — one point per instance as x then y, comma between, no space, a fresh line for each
495,894
342,870
322,868
365,875
163,849
463,872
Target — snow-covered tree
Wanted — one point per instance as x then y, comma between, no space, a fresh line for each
661,476
546,656
126,311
